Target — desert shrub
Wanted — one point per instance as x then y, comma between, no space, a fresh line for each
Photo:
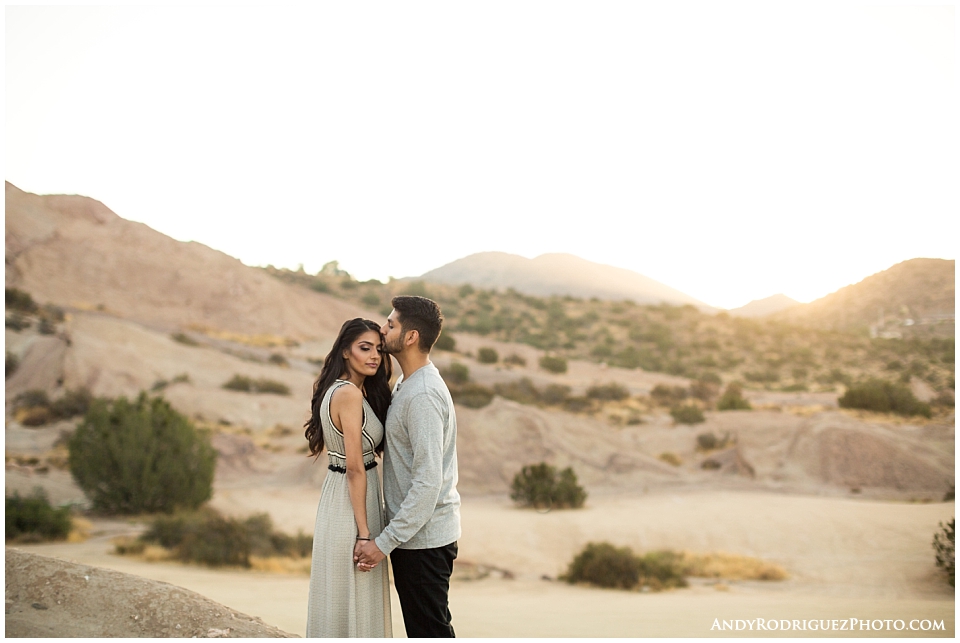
730,566
578,404
46,327
278,359
707,441
522,391
668,395
33,397
445,342
670,458
794,388
204,537
611,391
16,299
883,397
539,486
553,363
371,299
732,399
184,339
455,374
687,414
12,363
943,545
944,399
604,565
703,390
487,355
765,377
261,385
514,360
16,322
471,395
72,403
54,313
555,394
141,456
32,518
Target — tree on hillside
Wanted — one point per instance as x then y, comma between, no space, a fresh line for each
141,456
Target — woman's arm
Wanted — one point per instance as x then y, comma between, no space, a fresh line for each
346,410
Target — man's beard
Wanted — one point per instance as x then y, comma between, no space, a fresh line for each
394,348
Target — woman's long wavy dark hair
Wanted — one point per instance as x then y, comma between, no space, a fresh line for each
376,388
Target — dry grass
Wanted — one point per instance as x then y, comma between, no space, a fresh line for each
670,458
730,567
79,529
280,565
258,341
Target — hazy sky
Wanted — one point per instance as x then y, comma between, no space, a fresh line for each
730,150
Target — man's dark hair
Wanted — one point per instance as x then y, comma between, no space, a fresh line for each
420,314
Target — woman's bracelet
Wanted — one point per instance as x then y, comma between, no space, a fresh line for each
359,538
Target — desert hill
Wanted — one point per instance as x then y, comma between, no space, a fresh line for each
765,306
47,597
75,252
917,292
557,274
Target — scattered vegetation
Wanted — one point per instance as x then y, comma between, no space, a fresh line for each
184,339
487,355
732,399
541,487
943,545
16,299
260,385
279,360
553,363
514,360
141,456
33,519
34,407
182,378
687,414
603,565
883,397
611,391
677,340
209,538
13,362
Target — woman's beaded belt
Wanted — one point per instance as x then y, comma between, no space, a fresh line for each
339,469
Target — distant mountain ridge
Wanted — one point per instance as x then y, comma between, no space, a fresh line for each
558,274
912,292
765,306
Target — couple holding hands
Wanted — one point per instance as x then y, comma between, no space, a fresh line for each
417,522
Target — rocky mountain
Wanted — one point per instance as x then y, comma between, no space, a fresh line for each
915,294
765,306
75,252
557,274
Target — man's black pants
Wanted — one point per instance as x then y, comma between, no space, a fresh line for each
422,579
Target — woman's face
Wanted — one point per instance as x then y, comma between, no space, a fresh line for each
364,355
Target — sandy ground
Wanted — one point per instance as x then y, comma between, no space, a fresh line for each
846,558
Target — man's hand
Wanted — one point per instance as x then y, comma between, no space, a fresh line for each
367,555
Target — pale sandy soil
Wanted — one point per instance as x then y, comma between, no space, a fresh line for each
846,558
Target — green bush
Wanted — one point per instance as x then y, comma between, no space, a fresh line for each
943,544
445,342
668,395
184,339
16,299
883,397
611,391
555,394
687,414
603,565
539,486
471,395
16,322
522,391
12,363
455,374
261,385
141,456
72,403
514,360
32,518
487,356
553,363
278,359
732,399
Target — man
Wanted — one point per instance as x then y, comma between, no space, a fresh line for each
419,474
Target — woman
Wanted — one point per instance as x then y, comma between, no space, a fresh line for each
349,409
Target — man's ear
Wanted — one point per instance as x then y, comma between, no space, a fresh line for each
413,337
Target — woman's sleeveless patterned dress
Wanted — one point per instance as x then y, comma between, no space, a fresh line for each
345,602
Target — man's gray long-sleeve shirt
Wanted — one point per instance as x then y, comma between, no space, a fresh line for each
420,465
